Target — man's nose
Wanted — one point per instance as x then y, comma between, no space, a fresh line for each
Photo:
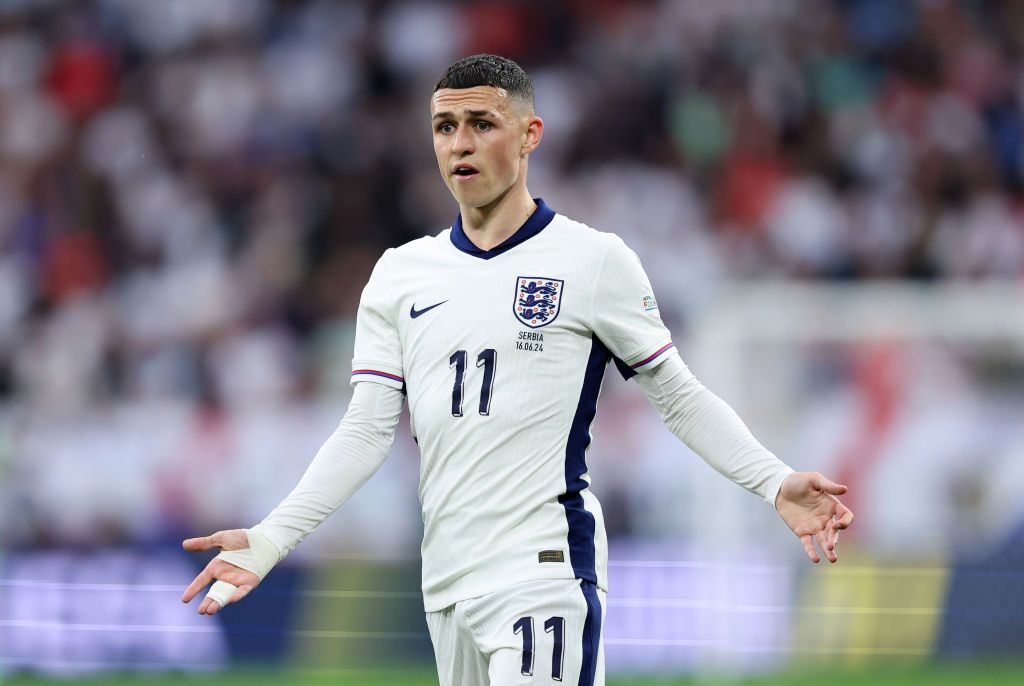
462,141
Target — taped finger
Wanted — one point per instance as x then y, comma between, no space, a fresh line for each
221,592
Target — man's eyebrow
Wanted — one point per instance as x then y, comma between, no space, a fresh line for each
473,113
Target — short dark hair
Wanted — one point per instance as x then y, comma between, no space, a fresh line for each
489,70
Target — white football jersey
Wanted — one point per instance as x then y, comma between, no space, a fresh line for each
502,353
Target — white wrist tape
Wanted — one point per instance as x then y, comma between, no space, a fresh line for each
259,558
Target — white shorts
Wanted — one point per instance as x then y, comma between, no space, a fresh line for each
533,633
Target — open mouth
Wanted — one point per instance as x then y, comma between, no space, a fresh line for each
465,171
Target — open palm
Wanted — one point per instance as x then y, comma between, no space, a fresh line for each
807,503
220,570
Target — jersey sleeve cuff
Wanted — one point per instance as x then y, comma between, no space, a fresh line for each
378,373
646,360
772,488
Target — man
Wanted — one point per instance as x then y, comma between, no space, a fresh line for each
498,331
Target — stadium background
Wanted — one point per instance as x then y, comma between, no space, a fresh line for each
826,195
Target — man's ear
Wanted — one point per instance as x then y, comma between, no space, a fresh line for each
534,132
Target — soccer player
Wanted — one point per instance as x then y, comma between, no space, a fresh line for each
497,331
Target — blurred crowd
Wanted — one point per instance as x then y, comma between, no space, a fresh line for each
193,193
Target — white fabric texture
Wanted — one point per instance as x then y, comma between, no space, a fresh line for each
632,332
259,558
502,357
711,428
378,355
347,459
481,640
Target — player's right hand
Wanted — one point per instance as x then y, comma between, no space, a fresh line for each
232,582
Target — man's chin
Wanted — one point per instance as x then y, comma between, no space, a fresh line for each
474,200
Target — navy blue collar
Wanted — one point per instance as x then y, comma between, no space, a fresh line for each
534,224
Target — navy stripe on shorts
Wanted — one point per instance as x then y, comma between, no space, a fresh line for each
591,634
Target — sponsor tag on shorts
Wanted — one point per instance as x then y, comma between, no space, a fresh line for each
551,556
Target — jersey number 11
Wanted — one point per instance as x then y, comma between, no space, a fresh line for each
485,359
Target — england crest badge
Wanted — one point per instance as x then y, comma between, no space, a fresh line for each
538,300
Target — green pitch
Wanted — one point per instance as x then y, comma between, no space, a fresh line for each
935,675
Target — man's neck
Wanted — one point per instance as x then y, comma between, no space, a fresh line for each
490,226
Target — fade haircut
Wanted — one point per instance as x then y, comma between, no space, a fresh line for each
489,70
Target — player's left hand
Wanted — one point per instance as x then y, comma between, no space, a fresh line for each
808,505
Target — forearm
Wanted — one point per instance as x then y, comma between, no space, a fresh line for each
712,429
347,459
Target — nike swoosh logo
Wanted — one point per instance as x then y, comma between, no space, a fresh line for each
413,312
